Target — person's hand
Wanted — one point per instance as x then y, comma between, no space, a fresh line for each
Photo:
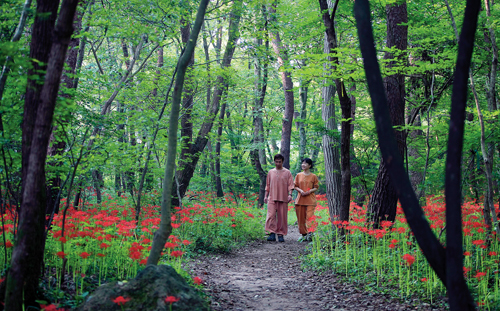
265,200
301,192
289,198
306,193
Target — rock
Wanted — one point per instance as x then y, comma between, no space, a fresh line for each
147,291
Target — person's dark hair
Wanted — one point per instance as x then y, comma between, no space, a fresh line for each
308,161
279,156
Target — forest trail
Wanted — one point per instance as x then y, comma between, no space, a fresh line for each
267,276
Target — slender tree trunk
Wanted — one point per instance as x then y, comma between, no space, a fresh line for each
303,88
286,79
383,202
186,169
57,148
27,257
218,182
261,75
161,235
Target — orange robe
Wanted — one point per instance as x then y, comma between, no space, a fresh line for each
279,183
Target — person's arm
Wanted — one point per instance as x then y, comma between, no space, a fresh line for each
308,192
290,187
314,188
296,184
268,182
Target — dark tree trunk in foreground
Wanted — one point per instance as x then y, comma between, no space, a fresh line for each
448,264
286,79
188,163
161,235
27,257
384,199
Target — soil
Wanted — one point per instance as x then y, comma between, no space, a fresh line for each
268,276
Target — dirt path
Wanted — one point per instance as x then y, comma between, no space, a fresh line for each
267,276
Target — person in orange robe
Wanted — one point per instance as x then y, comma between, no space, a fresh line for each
306,183
279,187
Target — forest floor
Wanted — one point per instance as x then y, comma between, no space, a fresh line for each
268,276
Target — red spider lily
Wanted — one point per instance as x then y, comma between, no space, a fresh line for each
120,300
466,270
392,246
171,245
51,307
84,255
101,255
176,254
135,255
478,242
61,255
186,242
174,239
394,241
8,244
197,280
62,239
466,253
423,279
104,245
409,259
175,226
492,253
143,261
479,275
385,224
233,225
171,299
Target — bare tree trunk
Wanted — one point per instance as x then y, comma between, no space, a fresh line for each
286,79
383,202
161,235
27,257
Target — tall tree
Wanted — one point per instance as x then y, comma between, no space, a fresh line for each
161,235
382,205
286,79
27,257
188,161
331,143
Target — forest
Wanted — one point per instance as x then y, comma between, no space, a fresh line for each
140,133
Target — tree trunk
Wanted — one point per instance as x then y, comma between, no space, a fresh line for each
331,143
303,88
186,168
27,257
345,105
260,86
161,235
218,182
57,148
286,79
447,264
384,199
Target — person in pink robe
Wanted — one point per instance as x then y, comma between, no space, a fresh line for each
279,186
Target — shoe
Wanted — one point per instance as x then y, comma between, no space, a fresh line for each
309,237
280,238
271,237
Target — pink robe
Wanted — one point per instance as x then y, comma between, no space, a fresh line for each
279,183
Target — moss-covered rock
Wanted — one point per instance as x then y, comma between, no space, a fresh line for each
147,292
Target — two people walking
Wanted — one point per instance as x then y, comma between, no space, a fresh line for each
279,187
